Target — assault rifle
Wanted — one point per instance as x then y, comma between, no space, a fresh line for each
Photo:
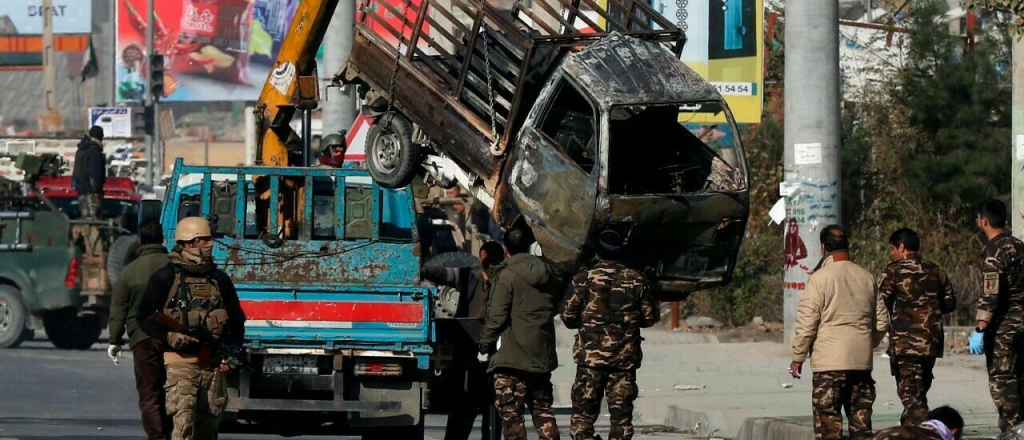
232,356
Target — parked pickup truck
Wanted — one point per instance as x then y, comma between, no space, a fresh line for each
340,335
562,115
57,269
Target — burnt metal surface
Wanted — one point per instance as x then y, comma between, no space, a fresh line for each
621,69
688,242
425,102
555,197
488,64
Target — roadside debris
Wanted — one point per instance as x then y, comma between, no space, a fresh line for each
690,387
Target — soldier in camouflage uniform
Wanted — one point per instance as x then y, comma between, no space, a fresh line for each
193,307
1000,316
943,423
609,304
914,294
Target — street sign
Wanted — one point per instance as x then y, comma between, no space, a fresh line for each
116,121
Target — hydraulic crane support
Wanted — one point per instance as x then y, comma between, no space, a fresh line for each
292,84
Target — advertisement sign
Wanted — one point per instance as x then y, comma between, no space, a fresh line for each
26,17
206,45
115,121
725,45
215,50
21,30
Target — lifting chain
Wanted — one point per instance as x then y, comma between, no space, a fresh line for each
394,70
495,138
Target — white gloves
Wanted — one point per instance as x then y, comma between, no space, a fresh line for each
114,353
483,357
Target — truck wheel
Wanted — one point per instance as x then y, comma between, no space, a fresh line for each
13,317
121,253
68,331
391,157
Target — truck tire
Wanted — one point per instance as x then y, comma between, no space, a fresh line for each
414,432
68,331
121,253
13,317
391,157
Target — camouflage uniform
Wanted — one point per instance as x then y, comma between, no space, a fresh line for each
914,294
198,296
196,398
833,390
609,304
1002,306
513,389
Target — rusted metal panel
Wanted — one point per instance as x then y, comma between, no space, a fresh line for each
448,123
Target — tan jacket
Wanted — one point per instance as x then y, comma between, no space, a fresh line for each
836,319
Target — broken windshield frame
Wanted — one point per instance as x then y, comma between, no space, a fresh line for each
651,151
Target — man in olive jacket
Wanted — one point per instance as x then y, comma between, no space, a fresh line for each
147,353
521,310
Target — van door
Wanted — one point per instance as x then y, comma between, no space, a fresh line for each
553,179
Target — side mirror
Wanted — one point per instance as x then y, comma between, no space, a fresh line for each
150,210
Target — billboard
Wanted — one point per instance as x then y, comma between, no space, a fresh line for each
206,45
116,121
21,30
725,45
215,50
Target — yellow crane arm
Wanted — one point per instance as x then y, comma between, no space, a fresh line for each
292,83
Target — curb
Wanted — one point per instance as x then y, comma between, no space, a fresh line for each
775,429
696,422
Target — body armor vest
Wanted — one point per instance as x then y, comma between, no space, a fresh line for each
196,303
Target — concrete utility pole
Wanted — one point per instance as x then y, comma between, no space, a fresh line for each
340,109
1017,193
49,63
151,139
811,186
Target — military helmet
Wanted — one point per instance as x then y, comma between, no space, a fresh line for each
609,240
190,228
333,140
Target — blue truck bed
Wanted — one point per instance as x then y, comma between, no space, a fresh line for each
339,330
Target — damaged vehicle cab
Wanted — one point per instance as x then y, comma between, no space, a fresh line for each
567,122
603,147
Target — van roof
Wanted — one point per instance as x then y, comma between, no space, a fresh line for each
625,70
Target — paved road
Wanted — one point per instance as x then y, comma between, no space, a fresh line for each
47,393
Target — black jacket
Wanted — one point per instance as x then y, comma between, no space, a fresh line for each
158,290
90,171
470,284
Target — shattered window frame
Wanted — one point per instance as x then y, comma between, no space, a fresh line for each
740,164
539,123
725,170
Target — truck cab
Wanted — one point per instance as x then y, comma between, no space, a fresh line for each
603,147
339,333
566,119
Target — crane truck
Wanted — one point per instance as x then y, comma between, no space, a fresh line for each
563,115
